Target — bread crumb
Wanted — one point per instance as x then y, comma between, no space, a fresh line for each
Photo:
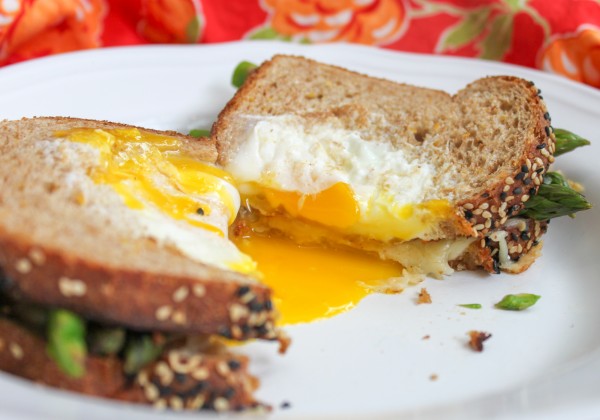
477,338
424,296
433,377
426,337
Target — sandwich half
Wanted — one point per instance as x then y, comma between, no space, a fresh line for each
116,274
434,181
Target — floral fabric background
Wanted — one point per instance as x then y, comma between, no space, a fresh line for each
560,36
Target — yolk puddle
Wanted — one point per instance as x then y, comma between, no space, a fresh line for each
311,283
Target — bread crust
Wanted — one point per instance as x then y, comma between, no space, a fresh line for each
213,302
482,213
182,378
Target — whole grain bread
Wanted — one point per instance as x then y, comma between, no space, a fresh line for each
192,374
82,255
491,142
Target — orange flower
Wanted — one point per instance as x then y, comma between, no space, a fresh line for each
171,21
9,12
53,26
576,56
360,21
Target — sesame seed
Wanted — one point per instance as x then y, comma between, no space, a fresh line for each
503,195
524,168
236,332
509,180
524,198
503,220
23,265
517,191
151,392
478,212
501,213
485,195
519,248
482,243
15,350
514,237
551,159
503,206
545,153
200,373
71,287
488,223
547,130
520,176
479,227
484,206
537,181
468,214
142,378
486,215
237,312
468,206
547,116
247,297
197,402
513,249
37,256
539,161
160,404
506,188
199,290
183,363
163,313
541,146
179,317
524,236
221,404
181,294
164,373
223,369
242,291
234,364
176,403
527,181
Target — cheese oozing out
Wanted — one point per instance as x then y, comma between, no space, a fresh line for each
333,177
181,201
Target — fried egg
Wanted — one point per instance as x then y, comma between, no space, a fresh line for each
181,201
332,176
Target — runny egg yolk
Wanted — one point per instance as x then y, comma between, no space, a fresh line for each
311,283
334,206
337,207
150,169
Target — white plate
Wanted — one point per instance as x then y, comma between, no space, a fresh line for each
372,361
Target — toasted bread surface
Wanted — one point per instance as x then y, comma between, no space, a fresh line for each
190,375
86,255
491,142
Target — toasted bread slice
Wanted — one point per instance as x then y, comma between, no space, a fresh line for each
194,374
69,241
485,148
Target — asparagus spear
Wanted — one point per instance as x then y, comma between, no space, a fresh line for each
567,141
139,351
517,302
241,72
66,341
555,198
